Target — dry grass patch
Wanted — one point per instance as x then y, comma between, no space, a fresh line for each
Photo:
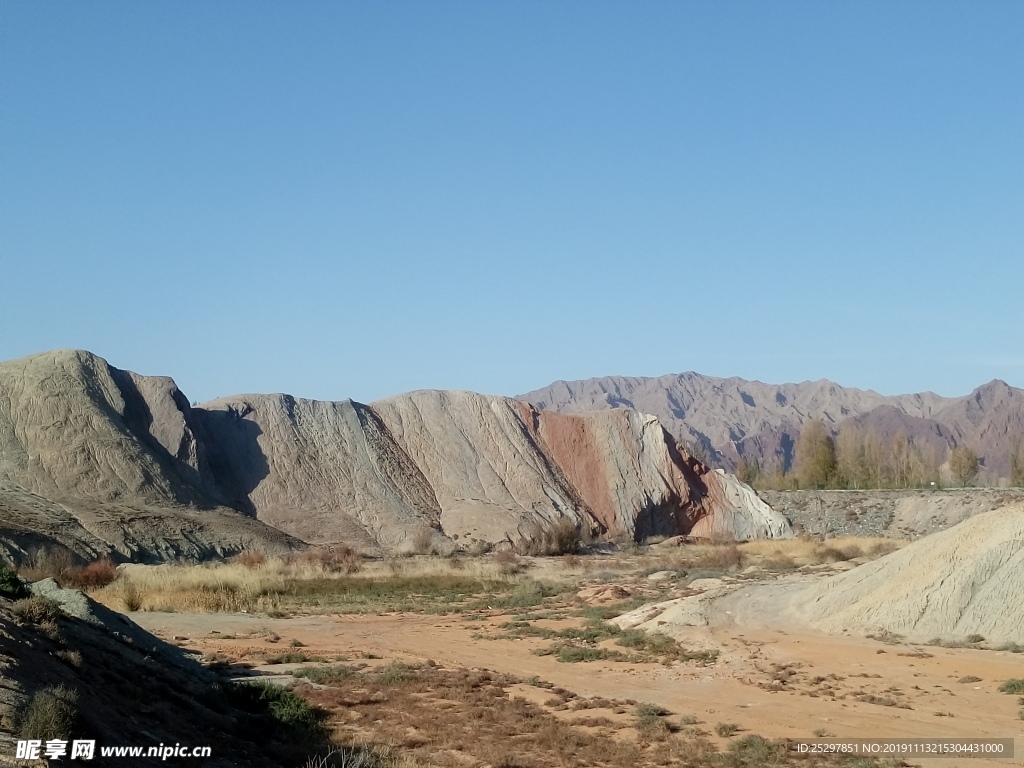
308,583
805,550
51,713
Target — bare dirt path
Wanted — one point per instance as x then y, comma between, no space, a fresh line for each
772,682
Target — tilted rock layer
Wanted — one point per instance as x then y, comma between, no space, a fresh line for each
104,460
962,581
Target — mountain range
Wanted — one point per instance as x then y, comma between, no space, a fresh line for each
732,419
105,461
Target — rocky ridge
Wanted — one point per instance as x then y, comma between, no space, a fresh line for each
106,461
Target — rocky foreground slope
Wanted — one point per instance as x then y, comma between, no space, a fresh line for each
967,580
733,417
951,585
73,669
105,460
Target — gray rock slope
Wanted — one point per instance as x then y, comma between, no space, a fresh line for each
965,580
104,460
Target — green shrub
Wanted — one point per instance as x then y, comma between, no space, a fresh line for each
11,585
1012,686
327,675
394,673
650,710
279,709
726,729
52,713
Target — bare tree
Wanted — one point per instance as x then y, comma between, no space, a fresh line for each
815,456
1016,463
963,463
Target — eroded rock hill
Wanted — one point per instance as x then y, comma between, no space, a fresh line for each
966,580
106,460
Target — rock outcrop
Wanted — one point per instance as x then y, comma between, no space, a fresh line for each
461,469
104,460
121,685
963,581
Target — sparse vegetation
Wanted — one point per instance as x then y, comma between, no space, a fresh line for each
36,610
51,713
327,675
278,709
11,585
575,644
726,729
560,538
319,583
1012,686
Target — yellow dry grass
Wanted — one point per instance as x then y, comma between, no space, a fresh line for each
807,551
282,583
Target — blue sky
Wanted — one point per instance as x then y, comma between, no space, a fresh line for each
358,199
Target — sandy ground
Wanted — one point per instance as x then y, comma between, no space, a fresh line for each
770,681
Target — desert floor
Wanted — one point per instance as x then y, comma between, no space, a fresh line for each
771,681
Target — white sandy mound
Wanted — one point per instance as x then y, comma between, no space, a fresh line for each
966,580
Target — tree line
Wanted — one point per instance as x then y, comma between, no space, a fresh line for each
860,458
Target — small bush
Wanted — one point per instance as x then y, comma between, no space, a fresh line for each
563,537
726,729
282,709
334,559
251,558
95,575
327,675
650,710
132,598
969,679
36,610
423,543
881,548
756,751
974,639
52,713
851,551
394,673
11,585
1012,686
71,658
508,562
726,556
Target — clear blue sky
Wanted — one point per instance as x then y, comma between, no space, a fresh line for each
358,199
